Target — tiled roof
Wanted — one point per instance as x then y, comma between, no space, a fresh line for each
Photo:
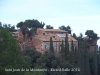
55,37
52,30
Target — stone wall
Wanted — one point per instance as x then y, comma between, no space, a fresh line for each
46,46
20,35
40,32
37,44
57,46
74,43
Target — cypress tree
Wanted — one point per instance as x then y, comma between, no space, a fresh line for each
62,50
72,46
82,69
66,50
72,54
94,63
99,62
86,60
51,45
79,52
76,57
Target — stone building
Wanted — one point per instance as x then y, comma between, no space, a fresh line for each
18,35
41,39
23,44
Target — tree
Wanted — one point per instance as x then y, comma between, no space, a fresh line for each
24,31
68,28
81,35
48,61
4,25
0,24
74,35
9,25
92,35
29,27
76,57
99,62
94,63
62,53
31,32
66,50
81,56
11,28
49,27
72,53
86,60
32,56
10,54
51,45
19,25
31,24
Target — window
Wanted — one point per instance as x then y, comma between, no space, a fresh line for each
53,36
43,33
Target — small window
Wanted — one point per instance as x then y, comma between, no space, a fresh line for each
53,36
43,33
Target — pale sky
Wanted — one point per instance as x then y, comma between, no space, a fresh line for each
81,15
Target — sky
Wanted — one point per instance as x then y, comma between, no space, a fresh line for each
80,15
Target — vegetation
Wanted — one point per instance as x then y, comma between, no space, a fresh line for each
29,27
68,28
51,46
10,55
9,27
49,27
77,61
92,36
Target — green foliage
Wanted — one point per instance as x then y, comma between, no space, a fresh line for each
99,62
74,35
86,60
81,35
68,28
32,56
49,27
10,54
12,28
49,61
91,34
8,26
72,54
76,57
94,63
0,24
66,49
51,45
62,53
29,26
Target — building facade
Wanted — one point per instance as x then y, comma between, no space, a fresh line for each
41,40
